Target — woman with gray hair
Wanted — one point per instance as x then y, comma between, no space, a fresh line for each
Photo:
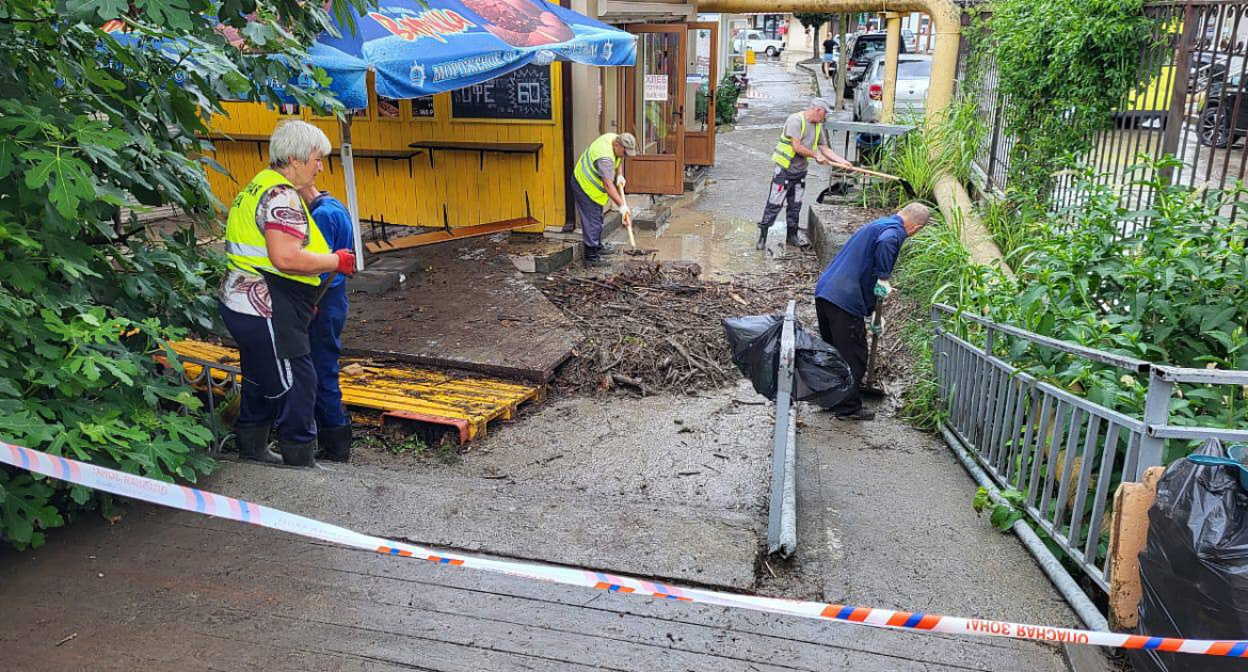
269,293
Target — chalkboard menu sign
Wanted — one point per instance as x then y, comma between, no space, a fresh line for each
422,108
520,94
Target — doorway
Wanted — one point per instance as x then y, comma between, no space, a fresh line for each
654,101
701,80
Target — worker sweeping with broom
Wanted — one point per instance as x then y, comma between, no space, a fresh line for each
596,179
850,288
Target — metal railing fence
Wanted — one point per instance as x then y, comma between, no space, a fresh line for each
216,382
1190,101
1064,453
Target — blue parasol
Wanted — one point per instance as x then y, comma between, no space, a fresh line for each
419,50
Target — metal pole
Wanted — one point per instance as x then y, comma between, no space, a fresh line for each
842,22
1156,414
1065,583
780,442
892,45
353,206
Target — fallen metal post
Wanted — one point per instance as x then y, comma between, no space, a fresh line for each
782,514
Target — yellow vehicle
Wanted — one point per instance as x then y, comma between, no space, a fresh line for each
1152,100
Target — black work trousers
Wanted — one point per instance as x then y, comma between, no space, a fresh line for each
277,390
848,334
786,185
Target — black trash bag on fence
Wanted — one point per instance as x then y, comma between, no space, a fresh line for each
1194,568
820,375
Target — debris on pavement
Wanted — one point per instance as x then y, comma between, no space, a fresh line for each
655,326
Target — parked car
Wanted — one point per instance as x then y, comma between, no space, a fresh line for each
1227,104
909,40
860,48
913,74
1205,69
754,40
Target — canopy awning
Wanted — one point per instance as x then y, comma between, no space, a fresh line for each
418,50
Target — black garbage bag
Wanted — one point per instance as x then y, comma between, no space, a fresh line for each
755,344
1194,568
820,375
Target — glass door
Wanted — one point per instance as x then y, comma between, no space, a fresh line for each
700,81
655,105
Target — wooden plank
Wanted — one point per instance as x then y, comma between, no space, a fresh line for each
474,401
457,233
501,147
379,153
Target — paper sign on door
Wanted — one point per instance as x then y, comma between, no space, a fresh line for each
656,87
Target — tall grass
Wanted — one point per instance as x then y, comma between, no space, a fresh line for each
934,148
1012,227
934,267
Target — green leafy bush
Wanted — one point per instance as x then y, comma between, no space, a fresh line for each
726,101
1062,67
88,296
1167,284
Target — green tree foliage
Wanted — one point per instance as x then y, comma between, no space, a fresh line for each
815,21
88,296
1062,66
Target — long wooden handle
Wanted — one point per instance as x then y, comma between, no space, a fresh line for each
864,171
629,223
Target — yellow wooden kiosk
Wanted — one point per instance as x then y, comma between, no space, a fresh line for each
453,160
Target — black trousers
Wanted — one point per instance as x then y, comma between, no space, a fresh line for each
281,391
848,334
787,190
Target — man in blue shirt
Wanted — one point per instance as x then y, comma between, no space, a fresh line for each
333,425
847,291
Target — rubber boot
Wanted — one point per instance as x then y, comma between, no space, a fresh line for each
762,239
335,443
795,238
253,442
593,258
298,454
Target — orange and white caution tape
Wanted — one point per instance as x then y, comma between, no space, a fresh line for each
199,501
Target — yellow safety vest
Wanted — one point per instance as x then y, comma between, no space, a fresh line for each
587,174
244,241
783,156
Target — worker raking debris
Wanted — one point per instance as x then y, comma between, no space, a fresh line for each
848,290
802,138
597,180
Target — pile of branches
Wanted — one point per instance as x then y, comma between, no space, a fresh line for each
655,327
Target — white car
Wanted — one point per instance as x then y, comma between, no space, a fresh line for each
914,71
754,40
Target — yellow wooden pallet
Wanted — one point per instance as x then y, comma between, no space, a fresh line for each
465,403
